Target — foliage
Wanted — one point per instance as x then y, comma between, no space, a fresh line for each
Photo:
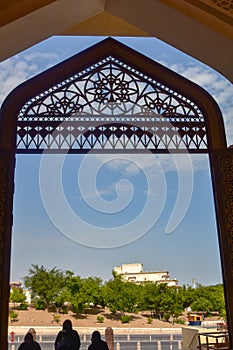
161,300
40,305
91,291
209,299
166,316
23,306
100,319
63,288
202,304
179,321
17,295
13,315
120,296
56,318
72,293
46,284
64,309
126,319
149,320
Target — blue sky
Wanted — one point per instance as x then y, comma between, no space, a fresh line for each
120,193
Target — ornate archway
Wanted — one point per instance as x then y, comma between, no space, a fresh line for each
110,98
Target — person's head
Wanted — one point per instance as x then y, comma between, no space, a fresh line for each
33,332
28,337
67,325
95,336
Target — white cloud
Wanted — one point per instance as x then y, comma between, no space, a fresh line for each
39,56
144,162
20,68
104,190
219,87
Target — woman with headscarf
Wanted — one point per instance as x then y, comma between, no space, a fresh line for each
71,335
29,343
97,343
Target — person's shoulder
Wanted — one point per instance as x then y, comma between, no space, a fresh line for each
59,335
75,333
105,344
36,345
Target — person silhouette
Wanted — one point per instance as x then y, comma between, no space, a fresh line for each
70,334
97,343
64,343
29,343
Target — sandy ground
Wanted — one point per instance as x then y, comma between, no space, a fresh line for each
33,318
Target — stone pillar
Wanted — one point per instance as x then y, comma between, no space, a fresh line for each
222,178
7,164
109,338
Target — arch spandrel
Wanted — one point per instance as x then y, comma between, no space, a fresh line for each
110,79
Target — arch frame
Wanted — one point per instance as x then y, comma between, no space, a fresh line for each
221,158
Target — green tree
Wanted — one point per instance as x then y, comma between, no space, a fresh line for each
45,284
71,293
80,292
151,298
161,300
202,304
17,295
216,295
120,295
91,291
209,299
186,295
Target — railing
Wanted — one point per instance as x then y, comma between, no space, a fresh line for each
213,340
121,341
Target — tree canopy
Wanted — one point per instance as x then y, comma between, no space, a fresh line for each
63,287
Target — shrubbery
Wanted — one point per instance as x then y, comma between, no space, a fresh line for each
40,305
126,319
23,306
100,319
13,315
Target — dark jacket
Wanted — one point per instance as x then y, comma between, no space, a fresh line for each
98,344
29,345
73,337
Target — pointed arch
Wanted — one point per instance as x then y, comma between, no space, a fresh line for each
110,79
110,98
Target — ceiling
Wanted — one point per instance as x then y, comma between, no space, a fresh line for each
201,28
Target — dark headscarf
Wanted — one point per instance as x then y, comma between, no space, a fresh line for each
28,337
95,336
67,326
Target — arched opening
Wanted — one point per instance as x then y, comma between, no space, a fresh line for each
155,115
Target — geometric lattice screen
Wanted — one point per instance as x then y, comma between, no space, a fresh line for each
110,106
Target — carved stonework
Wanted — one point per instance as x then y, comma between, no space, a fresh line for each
226,173
4,160
111,106
6,206
224,6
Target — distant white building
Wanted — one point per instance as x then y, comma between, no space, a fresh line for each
134,273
